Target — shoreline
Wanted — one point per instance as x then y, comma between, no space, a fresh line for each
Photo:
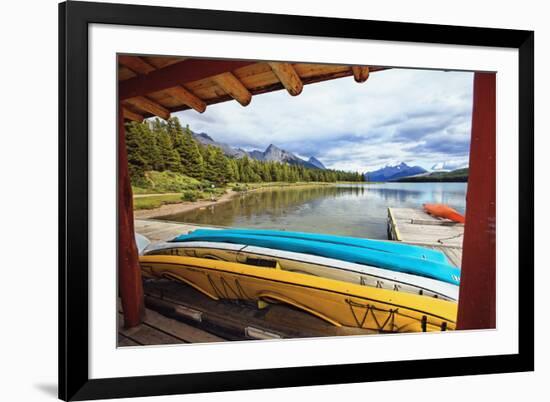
186,206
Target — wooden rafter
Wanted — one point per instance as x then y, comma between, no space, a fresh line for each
187,98
360,73
176,74
148,105
233,87
129,115
288,77
136,64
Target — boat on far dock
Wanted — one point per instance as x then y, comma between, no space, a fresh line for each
444,211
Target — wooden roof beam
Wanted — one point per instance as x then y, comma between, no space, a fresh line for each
288,77
136,64
148,105
129,115
176,74
187,98
233,87
360,73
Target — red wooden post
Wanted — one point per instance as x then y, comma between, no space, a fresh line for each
476,307
129,273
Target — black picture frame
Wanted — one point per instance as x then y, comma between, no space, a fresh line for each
74,18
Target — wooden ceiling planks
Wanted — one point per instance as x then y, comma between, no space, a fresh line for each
136,64
130,115
161,62
178,83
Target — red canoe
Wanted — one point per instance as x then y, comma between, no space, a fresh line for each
444,211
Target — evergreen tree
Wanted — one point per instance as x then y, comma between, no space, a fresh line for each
166,145
137,165
151,151
192,163
169,156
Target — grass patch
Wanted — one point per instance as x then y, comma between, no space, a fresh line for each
241,187
156,201
167,182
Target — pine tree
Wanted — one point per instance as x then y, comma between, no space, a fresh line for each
137,164
221,167
192,163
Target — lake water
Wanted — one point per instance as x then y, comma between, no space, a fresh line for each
344,209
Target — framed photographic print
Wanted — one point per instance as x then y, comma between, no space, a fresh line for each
257,200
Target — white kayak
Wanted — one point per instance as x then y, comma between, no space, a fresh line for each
309,264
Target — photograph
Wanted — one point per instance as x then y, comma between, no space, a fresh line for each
282,199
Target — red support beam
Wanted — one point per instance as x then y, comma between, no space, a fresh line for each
476,307
176,74
129,273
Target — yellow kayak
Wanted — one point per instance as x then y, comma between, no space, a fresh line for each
339,303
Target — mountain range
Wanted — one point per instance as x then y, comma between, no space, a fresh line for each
227,149
271,154
392,173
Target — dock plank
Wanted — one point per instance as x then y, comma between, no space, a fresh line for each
414,226
146,335
178,329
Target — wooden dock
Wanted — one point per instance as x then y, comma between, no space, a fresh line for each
414,226
177,314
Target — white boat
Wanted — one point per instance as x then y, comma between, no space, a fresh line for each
309,264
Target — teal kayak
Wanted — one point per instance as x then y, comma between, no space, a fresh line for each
386,246
375,257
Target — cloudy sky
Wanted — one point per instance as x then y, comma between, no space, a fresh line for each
415,116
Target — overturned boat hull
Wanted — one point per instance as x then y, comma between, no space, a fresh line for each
359,255
312,265
339,303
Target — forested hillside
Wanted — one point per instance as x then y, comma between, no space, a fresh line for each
167,146
459,175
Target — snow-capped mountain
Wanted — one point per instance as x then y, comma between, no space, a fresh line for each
389,173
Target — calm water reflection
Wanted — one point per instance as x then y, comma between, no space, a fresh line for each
346,209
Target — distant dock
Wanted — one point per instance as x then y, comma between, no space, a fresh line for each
414,226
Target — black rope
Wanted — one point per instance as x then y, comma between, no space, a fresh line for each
241,290
216,290
351,304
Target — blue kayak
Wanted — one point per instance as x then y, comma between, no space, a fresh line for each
382,259
389,247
